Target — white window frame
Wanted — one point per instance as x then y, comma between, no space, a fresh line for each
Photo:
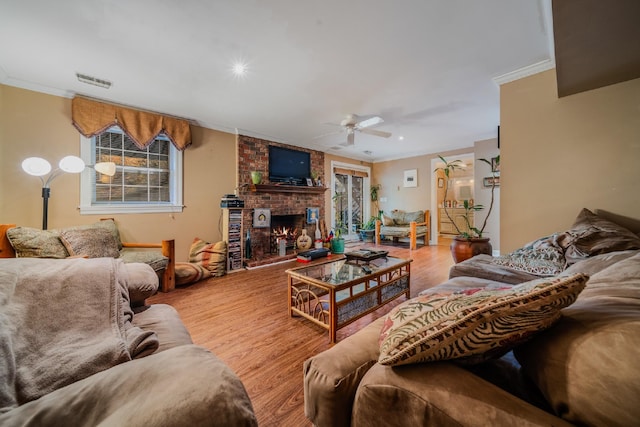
87,185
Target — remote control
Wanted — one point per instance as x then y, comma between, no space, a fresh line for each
366,269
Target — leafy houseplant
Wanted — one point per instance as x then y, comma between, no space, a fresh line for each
468,243
368,229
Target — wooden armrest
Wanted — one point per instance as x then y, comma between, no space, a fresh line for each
141,245
6,250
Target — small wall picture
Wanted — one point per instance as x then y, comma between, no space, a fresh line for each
313,215
309,182
411,178
440,182
490,181
261,218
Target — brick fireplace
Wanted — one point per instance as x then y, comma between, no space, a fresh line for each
253,155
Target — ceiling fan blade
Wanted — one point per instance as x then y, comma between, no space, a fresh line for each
371,121
375,132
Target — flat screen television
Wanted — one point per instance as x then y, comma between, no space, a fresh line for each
289,166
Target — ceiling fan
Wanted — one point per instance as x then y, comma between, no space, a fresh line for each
353,123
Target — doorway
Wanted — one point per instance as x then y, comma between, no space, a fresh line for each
461,186
349,205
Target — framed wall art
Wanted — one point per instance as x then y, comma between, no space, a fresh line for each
313,215
261,218
411,178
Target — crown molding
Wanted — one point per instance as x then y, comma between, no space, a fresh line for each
527,71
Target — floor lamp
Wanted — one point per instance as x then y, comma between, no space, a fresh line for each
39,167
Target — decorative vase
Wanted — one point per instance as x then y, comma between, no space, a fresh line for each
337,245
256,177
463,248
304,241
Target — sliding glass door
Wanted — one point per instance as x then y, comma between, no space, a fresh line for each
350,206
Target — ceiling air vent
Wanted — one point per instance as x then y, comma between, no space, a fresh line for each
93,81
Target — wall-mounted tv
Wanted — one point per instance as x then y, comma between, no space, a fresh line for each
289,166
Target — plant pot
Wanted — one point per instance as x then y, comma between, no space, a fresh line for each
367,235
256,177
463,248
337,245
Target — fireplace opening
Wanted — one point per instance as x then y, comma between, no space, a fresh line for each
287,227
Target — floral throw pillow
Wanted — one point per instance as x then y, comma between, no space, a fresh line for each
474,325
542,257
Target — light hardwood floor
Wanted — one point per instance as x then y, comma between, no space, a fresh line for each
243,318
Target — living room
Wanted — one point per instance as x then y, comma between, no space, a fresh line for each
559,154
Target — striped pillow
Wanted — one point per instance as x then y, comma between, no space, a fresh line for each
212,256
474,325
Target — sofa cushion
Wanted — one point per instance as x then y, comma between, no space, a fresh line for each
189,272
153,258
404,218
212,256
34,243
586,365
387,221
593,235
474,325
90,243
482,266
402,231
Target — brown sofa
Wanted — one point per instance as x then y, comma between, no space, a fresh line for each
90,241
583,370
75,352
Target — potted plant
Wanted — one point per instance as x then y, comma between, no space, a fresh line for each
367,232
337,242
472,242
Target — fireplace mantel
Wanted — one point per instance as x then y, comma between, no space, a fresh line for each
271,188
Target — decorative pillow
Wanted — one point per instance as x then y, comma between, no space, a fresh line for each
211,256
593,235
539,261
474,325
417,216
387,221
35,243
90,242
187,272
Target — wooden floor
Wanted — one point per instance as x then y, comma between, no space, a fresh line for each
243,318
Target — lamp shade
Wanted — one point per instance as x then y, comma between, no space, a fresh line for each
36,166
106,168
71,164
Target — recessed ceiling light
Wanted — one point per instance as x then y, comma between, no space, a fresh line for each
400,138
239,69
93,81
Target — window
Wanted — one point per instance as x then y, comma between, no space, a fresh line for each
146,180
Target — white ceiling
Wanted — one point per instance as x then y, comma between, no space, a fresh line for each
427,67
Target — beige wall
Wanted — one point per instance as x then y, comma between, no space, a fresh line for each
560,155
36,124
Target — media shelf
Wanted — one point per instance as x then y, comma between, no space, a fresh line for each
274,188
232,233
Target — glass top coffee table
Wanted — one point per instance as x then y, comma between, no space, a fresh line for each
335,293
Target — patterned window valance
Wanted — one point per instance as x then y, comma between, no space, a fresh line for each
92,117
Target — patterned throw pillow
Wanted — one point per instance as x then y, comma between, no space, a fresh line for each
474,325
90,242
187,272
538,261
212,256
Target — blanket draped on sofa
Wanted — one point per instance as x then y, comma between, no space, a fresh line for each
56,332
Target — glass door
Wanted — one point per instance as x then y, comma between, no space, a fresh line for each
349,204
